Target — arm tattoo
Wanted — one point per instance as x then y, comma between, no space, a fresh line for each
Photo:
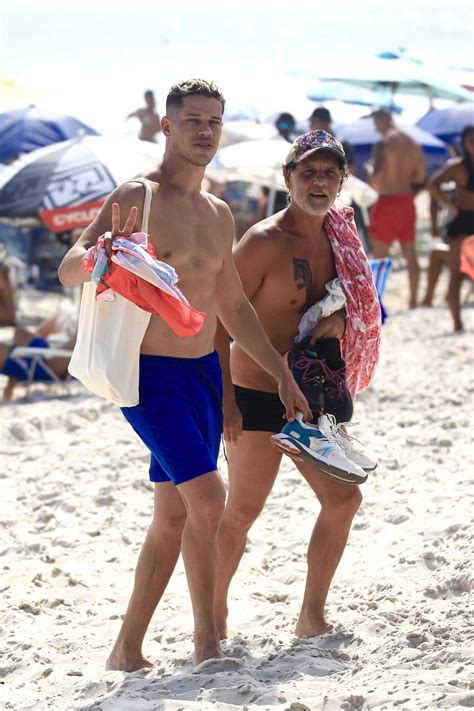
304,280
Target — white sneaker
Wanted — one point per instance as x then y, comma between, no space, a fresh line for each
317,445
352,447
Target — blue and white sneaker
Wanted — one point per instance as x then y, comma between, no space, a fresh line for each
316,445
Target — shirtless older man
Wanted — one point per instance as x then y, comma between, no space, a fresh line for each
179,416
397,173
284,263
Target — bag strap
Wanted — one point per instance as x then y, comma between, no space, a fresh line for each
146,204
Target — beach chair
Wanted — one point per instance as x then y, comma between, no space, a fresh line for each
30,357
380,269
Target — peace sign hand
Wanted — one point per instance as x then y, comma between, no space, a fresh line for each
116,231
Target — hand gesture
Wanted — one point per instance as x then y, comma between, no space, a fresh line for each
116,230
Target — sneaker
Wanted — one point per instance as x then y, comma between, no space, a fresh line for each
320,372
352,447
317,445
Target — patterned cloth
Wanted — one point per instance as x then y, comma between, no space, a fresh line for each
135,273
361,342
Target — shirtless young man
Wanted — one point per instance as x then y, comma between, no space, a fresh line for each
284,263
397,173
150,120
179,416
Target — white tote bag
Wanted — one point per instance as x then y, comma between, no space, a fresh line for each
109,336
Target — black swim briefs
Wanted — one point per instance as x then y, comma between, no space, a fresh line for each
261,411
462,225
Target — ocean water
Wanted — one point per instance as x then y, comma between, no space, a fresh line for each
97,58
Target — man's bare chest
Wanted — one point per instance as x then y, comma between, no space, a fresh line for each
187,242
299,276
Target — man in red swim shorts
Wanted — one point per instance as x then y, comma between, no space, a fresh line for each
397,173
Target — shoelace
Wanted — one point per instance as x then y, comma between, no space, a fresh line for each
335,379
338,429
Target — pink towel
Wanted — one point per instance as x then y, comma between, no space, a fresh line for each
361,342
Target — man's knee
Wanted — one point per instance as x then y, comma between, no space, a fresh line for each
206,508
169,525
344,502
242,514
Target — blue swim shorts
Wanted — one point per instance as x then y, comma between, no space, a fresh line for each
19,368
179,416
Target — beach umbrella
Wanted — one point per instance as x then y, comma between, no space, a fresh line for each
350,94
23,130
448,124
251,161
387,76
362,135
363,132
246,130
66,183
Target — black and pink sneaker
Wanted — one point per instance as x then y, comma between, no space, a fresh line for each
320,372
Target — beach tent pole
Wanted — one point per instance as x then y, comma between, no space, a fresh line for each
271,202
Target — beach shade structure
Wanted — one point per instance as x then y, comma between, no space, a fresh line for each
246,130
66,183
24,130
362,135
448,124
380,269
257,162
350,94
392,75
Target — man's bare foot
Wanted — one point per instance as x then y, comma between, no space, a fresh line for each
127,661
206,649
312,629
426,302
413,304
220,617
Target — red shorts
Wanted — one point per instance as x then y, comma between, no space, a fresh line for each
393,218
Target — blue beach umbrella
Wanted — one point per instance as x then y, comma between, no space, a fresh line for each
24,130
340,91
387,76
362,135
448,124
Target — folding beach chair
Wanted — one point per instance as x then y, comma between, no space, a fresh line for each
30,357
380,268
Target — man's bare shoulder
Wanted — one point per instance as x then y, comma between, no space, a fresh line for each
263,236
265,230
216,202
152,174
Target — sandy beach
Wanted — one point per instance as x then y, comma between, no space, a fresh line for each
76,503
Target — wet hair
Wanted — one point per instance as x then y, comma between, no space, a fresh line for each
192,87
465,155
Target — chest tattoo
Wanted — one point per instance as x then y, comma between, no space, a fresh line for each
304,280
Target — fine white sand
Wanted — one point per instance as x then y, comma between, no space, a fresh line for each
76,503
